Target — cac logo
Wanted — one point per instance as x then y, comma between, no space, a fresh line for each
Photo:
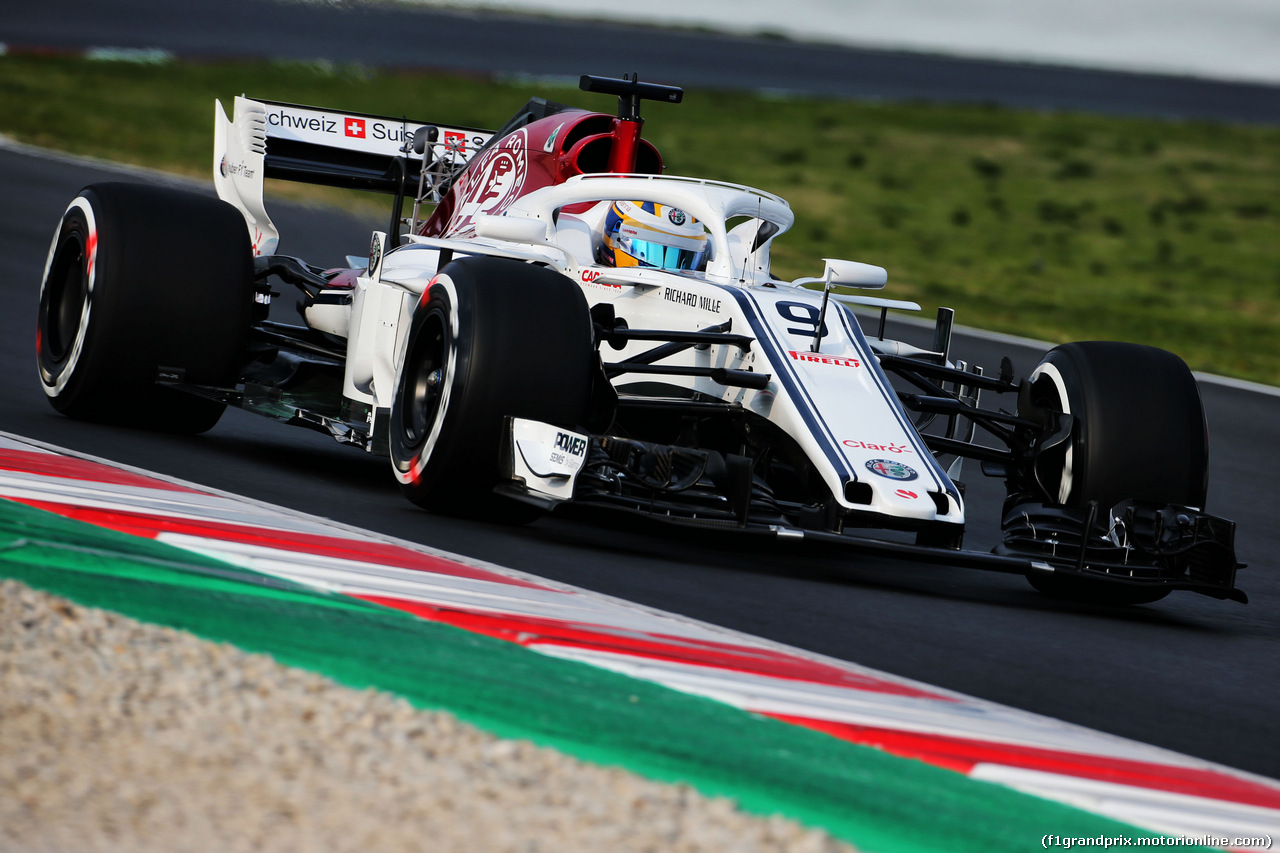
892,470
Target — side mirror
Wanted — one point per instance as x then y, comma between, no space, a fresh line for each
424,136
855,274
840,273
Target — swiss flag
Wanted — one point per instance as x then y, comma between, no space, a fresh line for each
454,141
355,127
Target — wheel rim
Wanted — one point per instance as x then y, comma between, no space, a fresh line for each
64,299
1050,392
425,385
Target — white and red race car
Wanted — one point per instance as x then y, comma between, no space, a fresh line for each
556,322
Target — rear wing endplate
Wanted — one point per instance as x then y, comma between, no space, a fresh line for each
268,139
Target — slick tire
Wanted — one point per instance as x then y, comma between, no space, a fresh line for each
141,278
1140,432
490,338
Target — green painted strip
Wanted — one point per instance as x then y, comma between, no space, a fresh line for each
862,795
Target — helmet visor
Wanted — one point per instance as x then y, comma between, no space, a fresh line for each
652,254
684,255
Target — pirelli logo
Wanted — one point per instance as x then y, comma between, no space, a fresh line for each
819,358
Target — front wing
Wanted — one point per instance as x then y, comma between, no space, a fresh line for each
1164,548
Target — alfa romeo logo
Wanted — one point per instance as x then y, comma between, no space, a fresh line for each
676,216
891,469
375,254
491,184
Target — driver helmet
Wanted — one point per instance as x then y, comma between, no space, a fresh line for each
647,234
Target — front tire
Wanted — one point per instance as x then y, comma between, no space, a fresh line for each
1139,432
491,338
141,278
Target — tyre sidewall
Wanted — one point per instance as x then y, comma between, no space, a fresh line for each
419,461
519,344
1139,425
170,279
58,360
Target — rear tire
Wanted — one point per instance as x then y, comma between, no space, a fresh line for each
1139,433
491,338
141,278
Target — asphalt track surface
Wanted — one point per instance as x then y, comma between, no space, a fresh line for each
1188,673
407,36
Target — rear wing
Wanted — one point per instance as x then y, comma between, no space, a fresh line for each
268,139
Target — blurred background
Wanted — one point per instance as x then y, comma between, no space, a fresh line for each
1099,169
1228,39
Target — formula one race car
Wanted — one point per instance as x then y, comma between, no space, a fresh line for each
556,322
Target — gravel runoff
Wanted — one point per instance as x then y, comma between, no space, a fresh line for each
116,735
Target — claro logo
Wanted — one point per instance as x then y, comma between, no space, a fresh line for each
891,447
